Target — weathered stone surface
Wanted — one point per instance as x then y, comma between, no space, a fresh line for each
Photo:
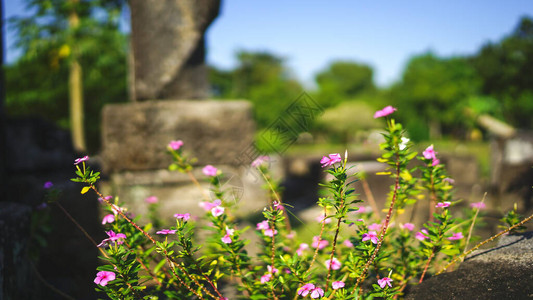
168,48
15,270
135,135
503,272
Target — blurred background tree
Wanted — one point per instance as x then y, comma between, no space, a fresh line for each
71,50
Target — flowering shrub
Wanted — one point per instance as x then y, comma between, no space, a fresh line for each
355,255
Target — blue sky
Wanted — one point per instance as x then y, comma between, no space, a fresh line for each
384,34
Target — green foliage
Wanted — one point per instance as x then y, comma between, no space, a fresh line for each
37,84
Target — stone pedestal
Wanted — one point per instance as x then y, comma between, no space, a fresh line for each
219,133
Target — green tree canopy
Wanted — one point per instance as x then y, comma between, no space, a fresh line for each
505,69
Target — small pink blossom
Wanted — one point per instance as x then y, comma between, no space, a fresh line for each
443,204
262,225
260,160
409,226
108,198
456,236
435,162
372,236
116,238
337,285
321,219
166,231
422,235
116,209
103,277
272,270
108,219
385,281
305,289
384,112
348,244
207,206
478,205
303,246
330,159
320,244
363,209
209,170
151,200
270,232
291,235
449,180
429,153
317,293
48,185
266,278
226,239
175,145
82,159
217,211
374,227
333,264
184,217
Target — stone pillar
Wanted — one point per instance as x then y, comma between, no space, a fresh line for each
168,47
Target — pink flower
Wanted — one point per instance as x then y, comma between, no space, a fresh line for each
443,204
262,225
270,232
435,162
108,219
317,293
321,219
363,209
374,227
333,264
478,205
278,205
409,226
348,244
103,277
226,239
151,200
456,236
385,281
303,246
372,236
429,153
319,244
305,289
332,159
422,235
384,112
209,170
266,278
166,231
82,159
108,198
291,235
217,211
337,285
175,145
272,270
48,185
207,206
113,238
449,180
260,160
184,217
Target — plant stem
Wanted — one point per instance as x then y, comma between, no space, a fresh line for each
484,242
383,229
427,265
472,225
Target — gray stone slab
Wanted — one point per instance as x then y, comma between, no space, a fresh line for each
135,135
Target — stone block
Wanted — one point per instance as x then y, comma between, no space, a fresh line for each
135,135
503,272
